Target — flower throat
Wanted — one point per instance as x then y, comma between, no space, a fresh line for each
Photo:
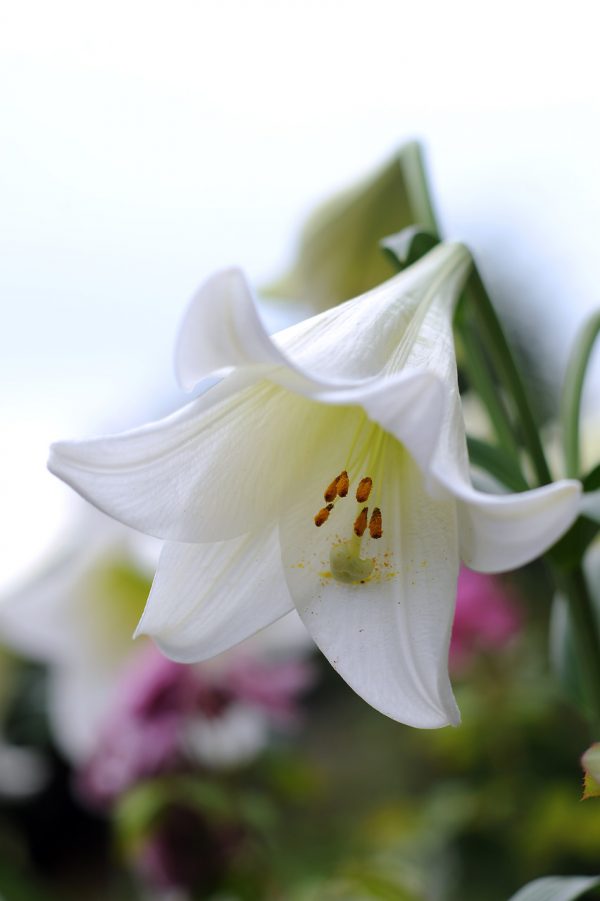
346,563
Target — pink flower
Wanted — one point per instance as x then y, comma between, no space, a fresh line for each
170,716
487,618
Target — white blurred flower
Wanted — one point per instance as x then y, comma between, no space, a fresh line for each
23,771
78,616
233,738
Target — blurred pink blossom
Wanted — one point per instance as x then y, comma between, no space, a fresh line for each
171,716
487,618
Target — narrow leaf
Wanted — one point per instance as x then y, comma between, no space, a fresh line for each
496,462
572,391
556,888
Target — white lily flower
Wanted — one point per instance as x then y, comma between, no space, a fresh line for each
234,482
76,615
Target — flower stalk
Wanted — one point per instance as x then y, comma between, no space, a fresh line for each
497,346
573,586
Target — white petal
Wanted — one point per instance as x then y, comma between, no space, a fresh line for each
388,638
222,329
409,405
498,532
505,531
403,324
218,468
364,338
212,472
207,598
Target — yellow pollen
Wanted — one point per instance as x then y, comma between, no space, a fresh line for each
364,489
323,515
375,524
360,523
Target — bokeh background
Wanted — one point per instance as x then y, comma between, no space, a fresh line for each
143,145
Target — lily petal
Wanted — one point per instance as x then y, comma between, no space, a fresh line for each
190,477
389,637
221,329
500,532
207,598
350,343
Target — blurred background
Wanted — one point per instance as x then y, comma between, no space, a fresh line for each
142,146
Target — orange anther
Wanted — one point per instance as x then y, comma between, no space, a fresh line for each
375,526
323,515
360,523
364,489
331,491
342,484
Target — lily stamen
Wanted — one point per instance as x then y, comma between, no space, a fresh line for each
323,515
331,491
375,524
360,523
339,486
364,489
343,483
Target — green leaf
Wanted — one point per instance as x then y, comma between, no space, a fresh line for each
339,254
591,481
556,888
569,551
406,247
563,647
572,391
496,462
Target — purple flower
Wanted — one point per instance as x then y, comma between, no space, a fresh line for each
170,716
486,619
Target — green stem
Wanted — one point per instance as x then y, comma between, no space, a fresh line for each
572,391
485,386
492,459
573,585
502,357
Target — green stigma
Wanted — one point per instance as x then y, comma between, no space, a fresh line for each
346,563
